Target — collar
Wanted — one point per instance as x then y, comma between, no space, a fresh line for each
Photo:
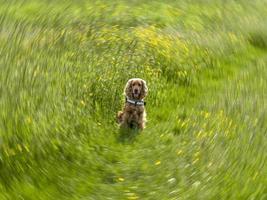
135,102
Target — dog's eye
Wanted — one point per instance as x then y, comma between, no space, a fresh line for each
139,84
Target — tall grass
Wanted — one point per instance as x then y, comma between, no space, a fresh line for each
63,68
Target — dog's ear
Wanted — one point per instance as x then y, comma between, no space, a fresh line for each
144,89
128,89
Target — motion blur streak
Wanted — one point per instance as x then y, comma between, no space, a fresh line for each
63,66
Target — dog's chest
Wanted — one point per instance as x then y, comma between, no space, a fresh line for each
135,110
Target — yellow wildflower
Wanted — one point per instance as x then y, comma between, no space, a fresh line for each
132,197
158,162
195,161
29,120
207,114
182,125
209,165
121,179
82,102
197,154
179,152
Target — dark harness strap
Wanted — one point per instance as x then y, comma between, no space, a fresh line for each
134,102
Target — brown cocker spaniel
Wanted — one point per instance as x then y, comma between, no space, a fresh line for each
133,114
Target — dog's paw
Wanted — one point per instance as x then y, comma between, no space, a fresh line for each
119,117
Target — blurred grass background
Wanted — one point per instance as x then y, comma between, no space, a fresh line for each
63,68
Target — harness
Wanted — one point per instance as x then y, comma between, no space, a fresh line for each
135,102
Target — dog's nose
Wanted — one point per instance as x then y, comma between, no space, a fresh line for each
136,91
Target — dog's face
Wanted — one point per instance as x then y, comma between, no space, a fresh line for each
136,88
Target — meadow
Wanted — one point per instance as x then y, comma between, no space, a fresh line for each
63,67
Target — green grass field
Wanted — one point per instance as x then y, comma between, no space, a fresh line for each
63,67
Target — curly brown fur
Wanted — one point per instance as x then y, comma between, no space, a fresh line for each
133,116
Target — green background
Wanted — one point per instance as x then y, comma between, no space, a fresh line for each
63,68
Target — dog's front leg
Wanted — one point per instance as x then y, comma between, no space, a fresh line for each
141,121
120,117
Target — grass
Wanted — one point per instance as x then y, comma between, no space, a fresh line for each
63,68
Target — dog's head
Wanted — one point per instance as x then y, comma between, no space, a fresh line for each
136,88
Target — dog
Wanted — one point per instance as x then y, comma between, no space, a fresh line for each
133,114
